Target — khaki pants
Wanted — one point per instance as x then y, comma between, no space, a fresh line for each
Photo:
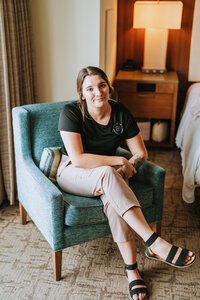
116,195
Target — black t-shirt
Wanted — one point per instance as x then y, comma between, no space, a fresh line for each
97,138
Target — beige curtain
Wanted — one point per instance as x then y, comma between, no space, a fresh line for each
2,195
16,83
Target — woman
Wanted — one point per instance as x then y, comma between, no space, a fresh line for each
92,129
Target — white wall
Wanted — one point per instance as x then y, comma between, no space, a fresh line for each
108,37
65,39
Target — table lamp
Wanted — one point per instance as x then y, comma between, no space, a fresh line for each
156,17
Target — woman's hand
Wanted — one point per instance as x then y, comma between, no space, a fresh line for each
126,170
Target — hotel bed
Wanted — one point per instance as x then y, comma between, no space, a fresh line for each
188,140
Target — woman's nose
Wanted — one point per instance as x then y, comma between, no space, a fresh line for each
98,92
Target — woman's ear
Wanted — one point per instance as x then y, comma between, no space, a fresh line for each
81,96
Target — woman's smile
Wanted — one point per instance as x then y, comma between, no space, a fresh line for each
99,99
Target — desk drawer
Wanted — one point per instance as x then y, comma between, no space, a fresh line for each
124,86
167,88
131,86
148,105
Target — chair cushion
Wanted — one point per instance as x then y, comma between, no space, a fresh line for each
49,162
84,211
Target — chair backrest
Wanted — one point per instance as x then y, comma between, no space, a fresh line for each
42,124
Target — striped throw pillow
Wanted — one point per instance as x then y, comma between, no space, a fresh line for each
49,162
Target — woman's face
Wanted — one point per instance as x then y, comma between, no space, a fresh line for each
95,91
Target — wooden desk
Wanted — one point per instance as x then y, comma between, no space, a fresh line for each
150,96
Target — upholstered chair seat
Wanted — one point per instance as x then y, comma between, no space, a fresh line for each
77,207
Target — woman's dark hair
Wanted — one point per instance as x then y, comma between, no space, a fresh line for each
79,82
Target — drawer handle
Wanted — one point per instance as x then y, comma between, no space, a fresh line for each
146,95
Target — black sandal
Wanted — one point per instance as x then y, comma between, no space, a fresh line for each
136,282
171,255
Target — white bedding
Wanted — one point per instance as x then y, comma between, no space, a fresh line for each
188,140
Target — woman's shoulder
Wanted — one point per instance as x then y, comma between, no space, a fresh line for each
71,112
70,118
72,107
117,106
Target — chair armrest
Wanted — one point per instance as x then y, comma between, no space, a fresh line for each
149,173
43,202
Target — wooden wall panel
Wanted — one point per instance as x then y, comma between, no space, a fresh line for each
130,44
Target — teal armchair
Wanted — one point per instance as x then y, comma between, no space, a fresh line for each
63,219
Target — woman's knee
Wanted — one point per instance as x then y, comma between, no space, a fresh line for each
108,170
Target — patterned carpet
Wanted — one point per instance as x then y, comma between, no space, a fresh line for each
94,270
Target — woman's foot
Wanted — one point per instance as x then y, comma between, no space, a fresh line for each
138,289
160,249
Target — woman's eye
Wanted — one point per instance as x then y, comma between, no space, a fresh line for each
103,85
89,89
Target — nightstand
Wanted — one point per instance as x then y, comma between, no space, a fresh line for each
152,97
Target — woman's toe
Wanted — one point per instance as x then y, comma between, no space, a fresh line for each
189,258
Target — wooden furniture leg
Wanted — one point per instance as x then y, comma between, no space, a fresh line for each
57,264
23,214
157,228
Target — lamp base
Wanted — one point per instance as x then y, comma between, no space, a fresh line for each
155,50
153,71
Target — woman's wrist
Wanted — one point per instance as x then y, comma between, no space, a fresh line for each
122,160
138,161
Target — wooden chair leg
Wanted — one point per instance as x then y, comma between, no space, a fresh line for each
57,264
157,228
23,214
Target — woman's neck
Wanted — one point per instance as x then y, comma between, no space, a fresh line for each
102,114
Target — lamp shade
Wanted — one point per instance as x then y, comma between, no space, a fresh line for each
157,14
